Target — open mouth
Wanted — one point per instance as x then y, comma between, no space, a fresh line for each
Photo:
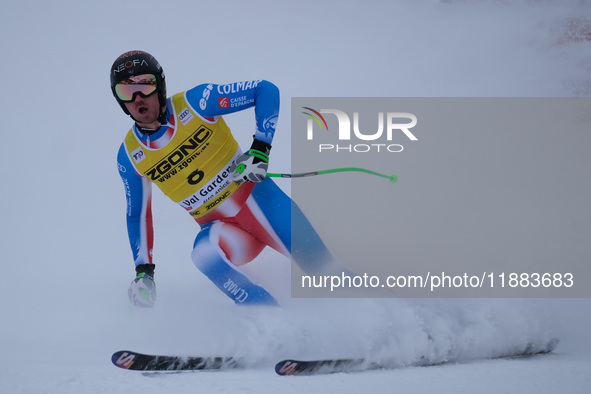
142,110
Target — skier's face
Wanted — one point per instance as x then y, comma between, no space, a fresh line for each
145,110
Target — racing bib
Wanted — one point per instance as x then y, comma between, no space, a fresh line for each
193,167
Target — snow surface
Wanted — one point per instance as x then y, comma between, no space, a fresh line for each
66,264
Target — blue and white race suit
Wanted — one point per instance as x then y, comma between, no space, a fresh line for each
189,159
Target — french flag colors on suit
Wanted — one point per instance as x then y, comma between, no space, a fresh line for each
189,160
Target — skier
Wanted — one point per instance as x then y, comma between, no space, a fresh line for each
183,145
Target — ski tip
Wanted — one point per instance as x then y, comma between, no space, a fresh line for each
324,366
286,367
123,359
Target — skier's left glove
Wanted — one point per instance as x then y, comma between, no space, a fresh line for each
142,290
252,165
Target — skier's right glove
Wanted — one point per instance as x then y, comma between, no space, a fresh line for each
252,165
142,290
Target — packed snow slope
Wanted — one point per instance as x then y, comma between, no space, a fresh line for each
65,258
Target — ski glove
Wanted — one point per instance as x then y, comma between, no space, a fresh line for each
142,290
252,165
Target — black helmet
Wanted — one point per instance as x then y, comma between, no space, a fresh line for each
136,63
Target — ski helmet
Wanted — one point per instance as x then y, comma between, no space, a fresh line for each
136,63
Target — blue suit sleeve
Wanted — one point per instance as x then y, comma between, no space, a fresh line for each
212,100
138,195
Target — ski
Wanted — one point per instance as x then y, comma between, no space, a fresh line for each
134,361
533,349
316,367
327,366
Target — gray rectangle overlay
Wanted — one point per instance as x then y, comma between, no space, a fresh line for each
492,197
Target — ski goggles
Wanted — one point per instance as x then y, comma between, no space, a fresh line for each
144,84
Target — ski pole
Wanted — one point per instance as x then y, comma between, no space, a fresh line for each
392,178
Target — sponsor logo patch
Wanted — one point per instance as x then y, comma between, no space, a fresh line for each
185,116
138,155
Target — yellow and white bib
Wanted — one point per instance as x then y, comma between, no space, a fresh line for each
192,165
